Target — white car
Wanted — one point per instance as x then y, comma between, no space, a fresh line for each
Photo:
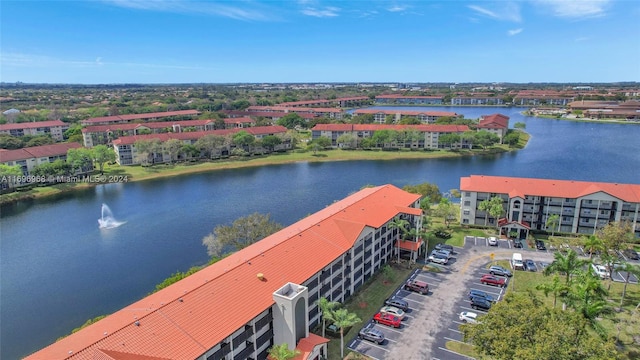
600,271
468,317
493,241
438,259
393,311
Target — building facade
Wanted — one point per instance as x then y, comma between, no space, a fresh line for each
54,128
583,207
497,124
426,117
31,157
260,296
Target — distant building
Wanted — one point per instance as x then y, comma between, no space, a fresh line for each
30,157
55,128
427,117
396,99
496,123
263,295
583,207
123,119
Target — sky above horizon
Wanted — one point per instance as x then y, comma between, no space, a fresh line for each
183,41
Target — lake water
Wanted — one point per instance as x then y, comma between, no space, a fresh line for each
58,269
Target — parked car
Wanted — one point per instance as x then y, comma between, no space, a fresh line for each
393,311
543,265
468,317
444,247
530,265
493,280
481,294
600,271
480,304
445,253
493,241
517,244
540,245
438,259
387,319
417,286
371,334
397,302
631,254
499,270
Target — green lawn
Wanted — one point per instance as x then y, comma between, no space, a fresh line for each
366,303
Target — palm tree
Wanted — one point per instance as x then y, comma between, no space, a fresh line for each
485,205
282,352
593,244
342,318
326,308
554,287
568,265
588,298
401,225
552,222
629,269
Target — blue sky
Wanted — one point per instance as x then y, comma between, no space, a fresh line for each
182,41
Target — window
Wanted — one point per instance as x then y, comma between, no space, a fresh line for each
466,212
467,203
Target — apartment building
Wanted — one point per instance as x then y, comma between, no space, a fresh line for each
427,117
55,128
495,123
129,118
29,158
397,99
583,206
125,147
331,113
478,99
260,296
428,139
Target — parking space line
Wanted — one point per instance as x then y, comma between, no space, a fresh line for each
394,329
472,310
450,339
374,345
453,352
454,330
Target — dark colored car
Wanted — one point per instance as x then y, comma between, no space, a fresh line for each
493,280
540,245
530,265
417,286
479,303
387,319
517,244
396,302
444,247
371,334
631,254
480,294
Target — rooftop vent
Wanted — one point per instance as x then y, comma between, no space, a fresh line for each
260,276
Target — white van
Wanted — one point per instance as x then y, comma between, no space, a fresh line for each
516,262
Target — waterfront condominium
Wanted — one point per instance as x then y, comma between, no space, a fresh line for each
582,207
262,295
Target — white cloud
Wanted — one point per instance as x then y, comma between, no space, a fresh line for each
576,9
397,8
196,7
329,11
514,32
504,11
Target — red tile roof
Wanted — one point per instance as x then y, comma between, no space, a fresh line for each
378,127
494,121
194,135
397,96
32,125
543,187
129,117
306,345
410,245
191,316
268,114
37,152
406,112
150,125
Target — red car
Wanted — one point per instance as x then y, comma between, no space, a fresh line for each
492,280
387,319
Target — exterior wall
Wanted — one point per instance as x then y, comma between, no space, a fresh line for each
476,101
56,132
27,165
430,140
583,215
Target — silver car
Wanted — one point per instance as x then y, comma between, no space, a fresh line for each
371,334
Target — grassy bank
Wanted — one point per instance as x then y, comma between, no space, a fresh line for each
140,173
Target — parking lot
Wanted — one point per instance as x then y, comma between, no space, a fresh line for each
418,311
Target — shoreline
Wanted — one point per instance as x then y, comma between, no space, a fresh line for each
136,173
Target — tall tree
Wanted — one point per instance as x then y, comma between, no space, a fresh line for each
446,210
172,147
629,269
342,318
593,244
243,232
554,287
81,160
103,154
282,352
496,209
401,226
568,265
552,223
244,140
326,307
425,189
484,206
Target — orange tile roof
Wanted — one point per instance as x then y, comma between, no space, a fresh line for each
494,121
32,125
194,135
306,345
191,316
410,245
37,151
129,117
406,112
545,187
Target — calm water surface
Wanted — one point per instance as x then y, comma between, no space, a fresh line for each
58,269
